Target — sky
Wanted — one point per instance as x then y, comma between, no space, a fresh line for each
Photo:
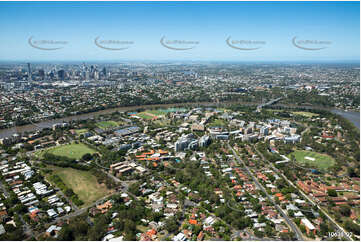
323,31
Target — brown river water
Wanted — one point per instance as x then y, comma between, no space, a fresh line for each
354,117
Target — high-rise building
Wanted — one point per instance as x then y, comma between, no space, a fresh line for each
96,75
87,76
193,145
248,130
204,141
185,142
264,130
92,70
29,71
61,74
41,74
180,145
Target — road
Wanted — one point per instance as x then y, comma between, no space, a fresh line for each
5,192
234,209
294,228
79,211
67,199
116,179
27,229
305,196
63,195
124,185
305,131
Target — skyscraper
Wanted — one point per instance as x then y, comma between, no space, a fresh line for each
29,71
61,74
87,76
204,141
264,130
42,74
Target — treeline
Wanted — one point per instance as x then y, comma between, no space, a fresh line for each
125,223
353,135
308,98
103,178
63,161
263,148
192,175
67,191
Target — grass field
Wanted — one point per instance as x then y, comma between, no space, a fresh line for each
162,122
107,124
306,114
224,109
150,114
157,112
81,131
218,122
144,115
320,161
274,110
83,183
73,151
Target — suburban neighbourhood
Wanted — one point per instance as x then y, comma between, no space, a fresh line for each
184,173
180,121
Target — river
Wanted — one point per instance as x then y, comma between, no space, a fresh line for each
354,117
49,123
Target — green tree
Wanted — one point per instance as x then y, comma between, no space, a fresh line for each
345,210
171,225
87,157
332,192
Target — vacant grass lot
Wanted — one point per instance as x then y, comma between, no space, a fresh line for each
72,151
83,183
107,124
321,161
306,114
275,110
218,122
162,122
81,131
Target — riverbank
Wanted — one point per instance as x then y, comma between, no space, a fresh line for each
49,123
354,117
